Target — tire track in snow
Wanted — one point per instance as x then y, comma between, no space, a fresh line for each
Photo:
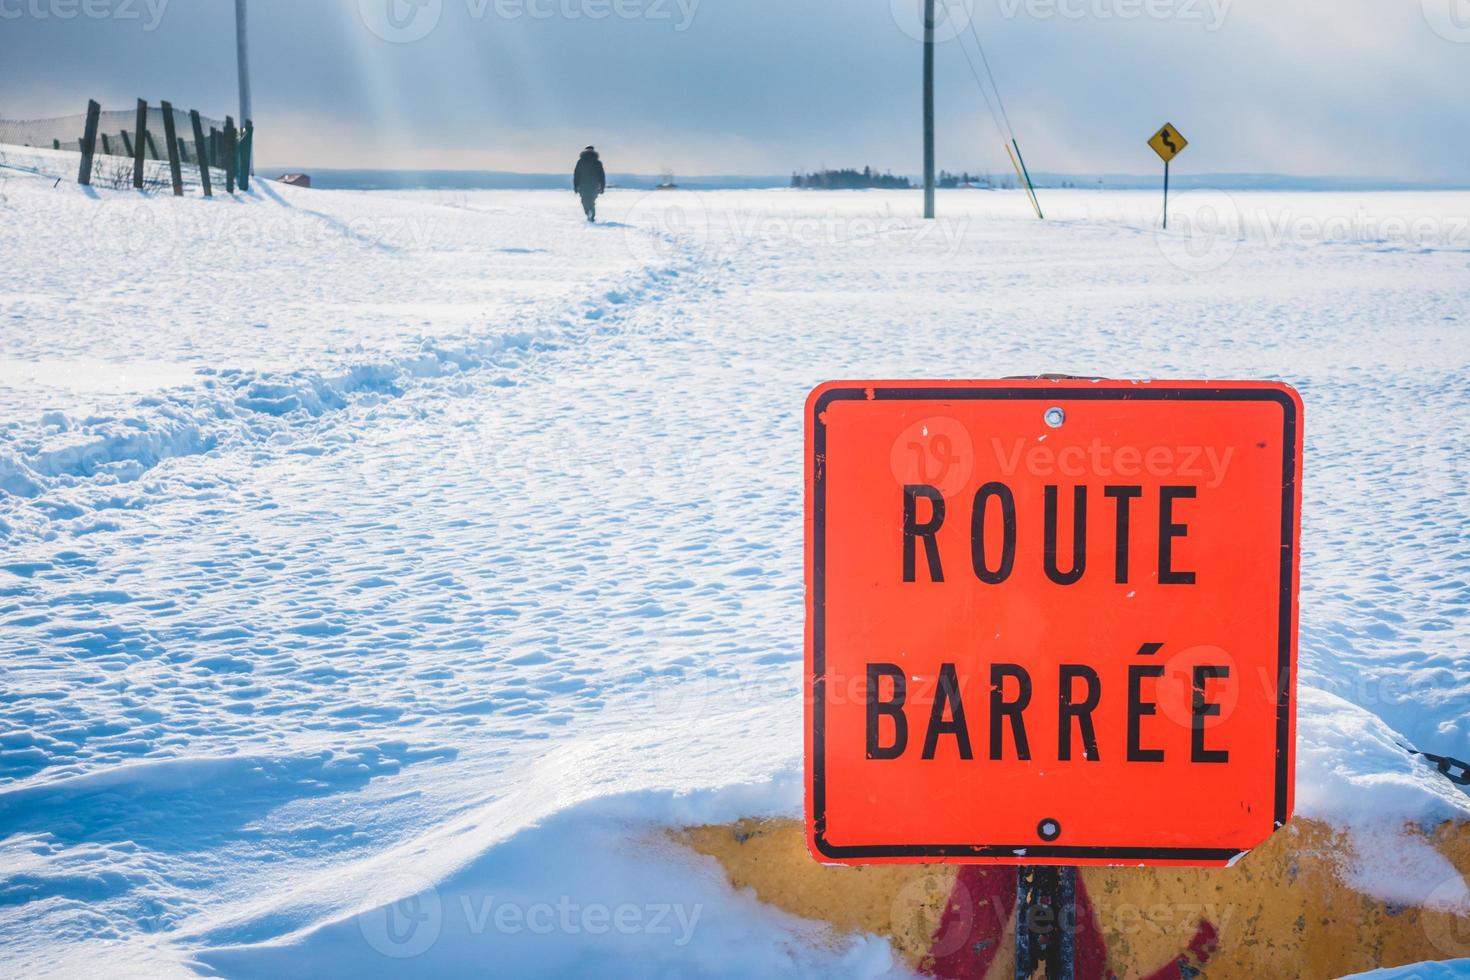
45,475
327,608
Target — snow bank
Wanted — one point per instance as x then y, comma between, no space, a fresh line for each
440,545
1449,970
593,891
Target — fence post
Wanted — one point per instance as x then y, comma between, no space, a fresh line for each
106,145
140,130
127,143
247,141
170,136
230,158
201,149
89,142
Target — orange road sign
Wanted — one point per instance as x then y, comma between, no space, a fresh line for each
1050,622
1168,142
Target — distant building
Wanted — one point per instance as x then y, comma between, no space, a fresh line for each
966,181
296,180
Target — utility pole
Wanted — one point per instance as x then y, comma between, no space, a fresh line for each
928,108
242,56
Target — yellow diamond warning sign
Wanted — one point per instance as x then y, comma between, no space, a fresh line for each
1168,142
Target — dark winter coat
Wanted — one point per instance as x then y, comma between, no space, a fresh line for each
589,179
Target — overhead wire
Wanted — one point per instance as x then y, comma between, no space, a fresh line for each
1010,131
1003,130
1003,120
1000,129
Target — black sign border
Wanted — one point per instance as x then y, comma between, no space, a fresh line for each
1140,392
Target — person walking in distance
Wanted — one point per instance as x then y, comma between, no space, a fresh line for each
589,180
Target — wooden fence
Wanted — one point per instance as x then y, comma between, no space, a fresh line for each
163,147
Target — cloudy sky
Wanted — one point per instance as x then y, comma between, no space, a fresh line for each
1350,87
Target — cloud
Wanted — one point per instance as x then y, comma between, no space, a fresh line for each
766,86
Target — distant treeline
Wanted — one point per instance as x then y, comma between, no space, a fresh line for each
850,179
832,180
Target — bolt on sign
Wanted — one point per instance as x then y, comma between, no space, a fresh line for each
1050,621
1168,142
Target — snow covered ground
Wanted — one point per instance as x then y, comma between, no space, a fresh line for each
373,558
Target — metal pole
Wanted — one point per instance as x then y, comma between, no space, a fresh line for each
1046,923
242,57
1035,203
928,108
1166,194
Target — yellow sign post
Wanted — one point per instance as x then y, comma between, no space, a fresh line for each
1168,143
